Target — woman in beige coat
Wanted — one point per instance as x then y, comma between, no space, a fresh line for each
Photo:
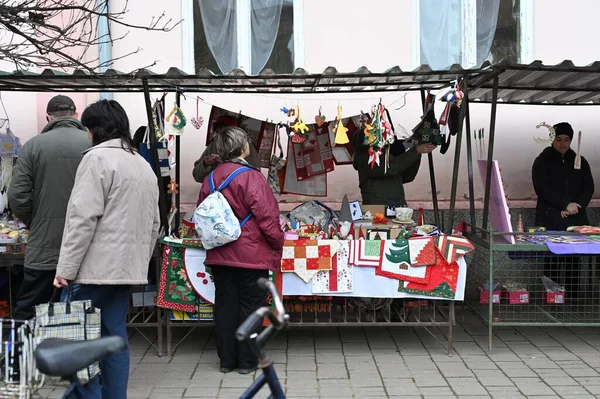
110,233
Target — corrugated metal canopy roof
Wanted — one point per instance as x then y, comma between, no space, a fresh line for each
330,80
535,83
539,84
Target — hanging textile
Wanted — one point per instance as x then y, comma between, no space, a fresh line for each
315,186
342,154
313,156
260,133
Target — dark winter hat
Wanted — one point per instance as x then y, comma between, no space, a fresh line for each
564,128
60,103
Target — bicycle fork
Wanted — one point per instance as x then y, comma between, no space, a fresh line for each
269,376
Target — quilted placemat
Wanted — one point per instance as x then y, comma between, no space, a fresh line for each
339,278
452,248
422,251
368,253
395,263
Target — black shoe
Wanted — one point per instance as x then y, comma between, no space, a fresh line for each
247,371
226,370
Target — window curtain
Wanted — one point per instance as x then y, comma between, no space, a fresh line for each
220,30
441,34
218,18
265,18
440,25
487,21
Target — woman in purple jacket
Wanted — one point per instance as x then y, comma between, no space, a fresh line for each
237,266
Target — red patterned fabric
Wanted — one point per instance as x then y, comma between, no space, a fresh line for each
314,157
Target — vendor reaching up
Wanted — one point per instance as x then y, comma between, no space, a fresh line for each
381,187
563,192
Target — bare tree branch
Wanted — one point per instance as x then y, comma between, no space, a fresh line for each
59,33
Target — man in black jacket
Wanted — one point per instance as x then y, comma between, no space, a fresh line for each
563,196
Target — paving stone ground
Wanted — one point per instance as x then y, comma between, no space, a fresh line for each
390,362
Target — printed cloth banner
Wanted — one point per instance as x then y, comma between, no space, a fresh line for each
339,278
422,251
367,253
315,186
452,248
175,291
395,263
342,154
260,133
198,275
313,157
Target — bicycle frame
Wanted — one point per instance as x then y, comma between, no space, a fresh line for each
257,342
268,377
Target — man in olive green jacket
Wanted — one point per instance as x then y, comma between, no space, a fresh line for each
38,195
379,186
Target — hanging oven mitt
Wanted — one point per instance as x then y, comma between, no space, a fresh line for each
341,132
176,121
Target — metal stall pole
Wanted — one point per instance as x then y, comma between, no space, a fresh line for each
490,156
456,166
177,171
161,196
470,164
434,198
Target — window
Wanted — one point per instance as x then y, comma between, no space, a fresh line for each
469,32
248,34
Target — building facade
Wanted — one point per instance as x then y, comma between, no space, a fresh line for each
286,34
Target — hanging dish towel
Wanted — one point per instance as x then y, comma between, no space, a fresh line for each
277,167
313,156
315,186
145,150
342,154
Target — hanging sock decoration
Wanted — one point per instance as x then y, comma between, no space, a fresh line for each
197,121
341,132
177,123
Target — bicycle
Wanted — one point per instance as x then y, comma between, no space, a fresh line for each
257,341
63,357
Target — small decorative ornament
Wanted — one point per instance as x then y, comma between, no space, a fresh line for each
179,121
320,119
197,121
299,129
341,132
173,187
551,134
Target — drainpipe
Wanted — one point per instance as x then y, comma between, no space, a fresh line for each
104,45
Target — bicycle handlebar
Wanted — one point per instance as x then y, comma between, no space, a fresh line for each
254,321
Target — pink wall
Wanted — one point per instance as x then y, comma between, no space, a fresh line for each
559,33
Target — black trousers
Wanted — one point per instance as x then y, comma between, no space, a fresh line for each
237,295
36,288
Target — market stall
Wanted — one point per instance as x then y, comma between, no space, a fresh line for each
520,274
428,290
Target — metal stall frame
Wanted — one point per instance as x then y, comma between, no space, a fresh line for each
299,82
564,84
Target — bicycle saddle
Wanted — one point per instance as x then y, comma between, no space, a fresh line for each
64,358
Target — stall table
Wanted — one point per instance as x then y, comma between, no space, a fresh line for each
332,296
524,264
